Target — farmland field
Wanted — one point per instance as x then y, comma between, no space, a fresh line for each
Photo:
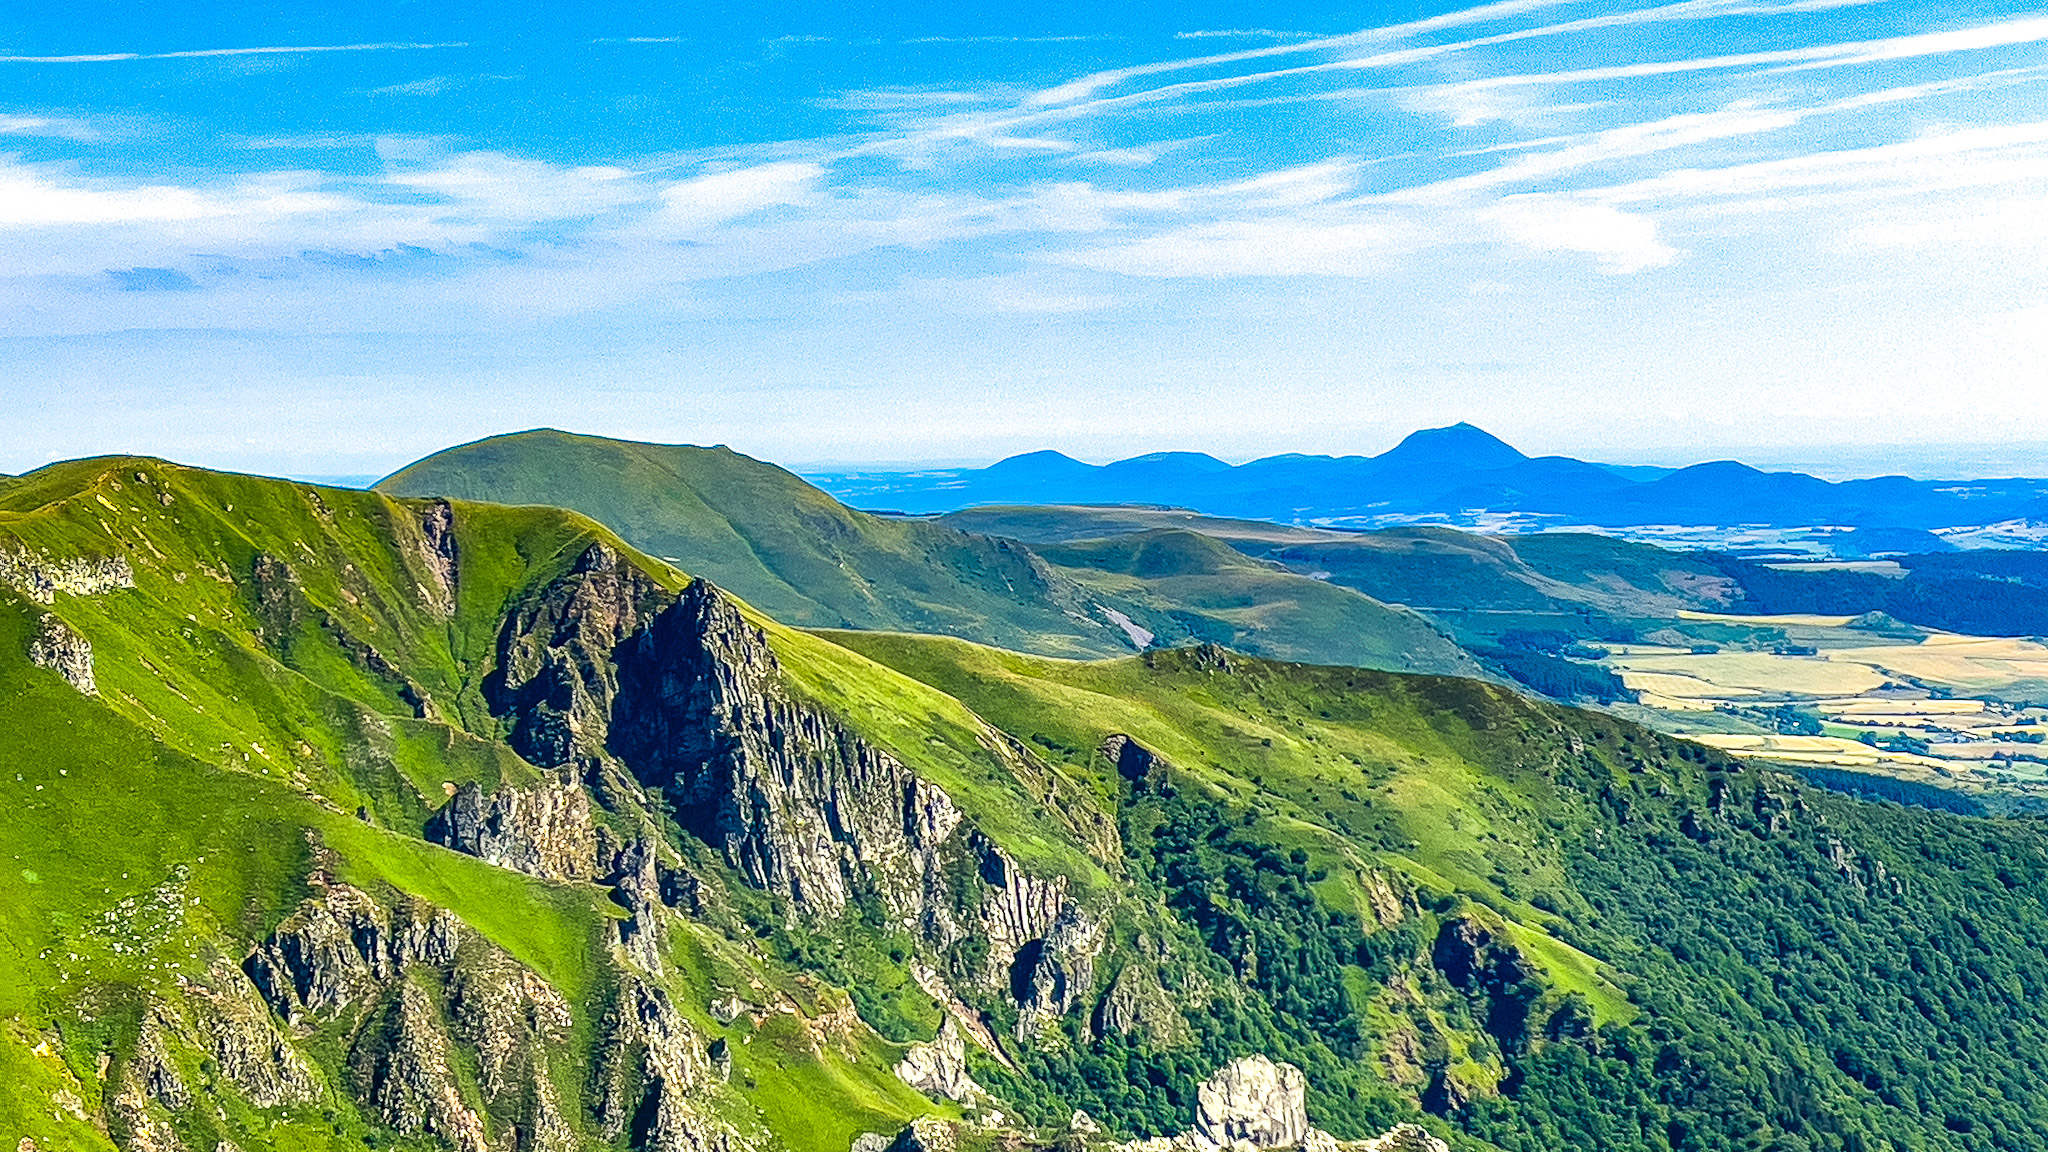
1848,692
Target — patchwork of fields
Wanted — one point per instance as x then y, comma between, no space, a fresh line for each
1853,692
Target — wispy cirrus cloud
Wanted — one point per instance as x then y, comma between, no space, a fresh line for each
207,53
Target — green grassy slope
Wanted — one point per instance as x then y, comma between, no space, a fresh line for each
782,545
1477,586
241,726
1526,926
1708,957
1195,587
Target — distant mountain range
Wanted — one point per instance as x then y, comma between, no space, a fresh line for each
1460,471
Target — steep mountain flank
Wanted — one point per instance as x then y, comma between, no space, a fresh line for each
425,825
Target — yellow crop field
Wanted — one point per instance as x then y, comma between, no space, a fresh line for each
1814,750
1680,685
1730,672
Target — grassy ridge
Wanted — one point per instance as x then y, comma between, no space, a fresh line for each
780,544
1199,588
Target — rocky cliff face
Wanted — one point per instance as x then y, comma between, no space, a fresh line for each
543,831
1254,1104
64,652
40,576
691,702
555,679
1255,1101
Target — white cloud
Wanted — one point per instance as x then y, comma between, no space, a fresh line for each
1622,242
720,196
1272,247
203,53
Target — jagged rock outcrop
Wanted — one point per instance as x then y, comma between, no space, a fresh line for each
940,1067
402,1072
40,577
797,803
555,678
236,1032
64,652
1252,1103
340,946
926,1134
151,1070
651,1063
1052,973
1133,760
1253,1100
543,831
690,700
1015,908
512,1019
428,540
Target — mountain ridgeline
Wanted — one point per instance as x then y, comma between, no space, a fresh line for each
1455,470
808,560
341,820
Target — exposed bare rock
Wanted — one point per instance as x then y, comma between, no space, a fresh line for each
402,1071
1057,971
1015,909
512,1020
235,1030
651,1062
40,577
138,1125
433,552
1390,898
634,872
797,803
555,677
543,831
1133,760
340,946
940,1067
151,1068
1470,958
926,1134
1253,1103
64,652
1254,1100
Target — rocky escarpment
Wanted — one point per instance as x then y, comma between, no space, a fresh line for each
797,803
802,806
411,988
940,1068
1254,1104
690,702
651,1068
40,577
555,679
340,947
64,652
543,831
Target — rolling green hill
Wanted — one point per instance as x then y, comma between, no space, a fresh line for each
337,820
1478,586
1195,587
779,543
806,559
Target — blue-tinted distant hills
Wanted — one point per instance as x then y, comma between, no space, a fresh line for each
1459,471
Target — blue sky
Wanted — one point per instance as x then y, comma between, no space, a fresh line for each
1809,231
